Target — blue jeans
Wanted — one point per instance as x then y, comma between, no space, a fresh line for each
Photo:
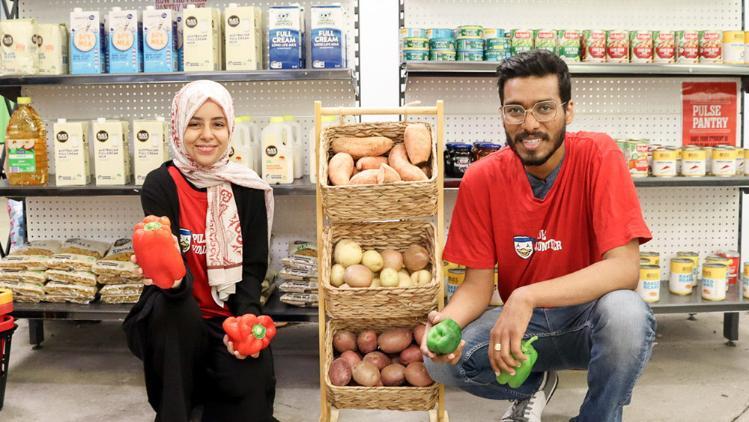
612,337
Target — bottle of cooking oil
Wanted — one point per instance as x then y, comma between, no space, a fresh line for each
26,146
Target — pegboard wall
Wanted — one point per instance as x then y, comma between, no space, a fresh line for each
576,14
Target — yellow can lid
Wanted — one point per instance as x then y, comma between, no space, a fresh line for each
289,118
276,119
24,100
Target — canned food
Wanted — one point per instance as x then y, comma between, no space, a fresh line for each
413,33
724,162
693,162
711,47
455,277
739,162
681,279
410,43
490,33
678,159
568,45
641,46
714,281
442,55
495,56
733,47
649,287
687,46
653,258
522,41
470,44
617,46
733,267
440,33
709,159
664,162
470,56
644,261
637,157
746,47
545,39
470,31
717,259
497,44
664,47
594,46
442,44
695,258
415,55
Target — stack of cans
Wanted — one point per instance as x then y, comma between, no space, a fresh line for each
414,44
470,43
496,44
441,44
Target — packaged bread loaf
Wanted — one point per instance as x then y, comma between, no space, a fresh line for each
106,267
121,250
71,290
24,262
121,289
71,262
31,277
81,278
53,298
94,248
117,299
115,279
300,299
25,292
39,247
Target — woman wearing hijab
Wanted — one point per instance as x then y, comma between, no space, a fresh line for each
222,214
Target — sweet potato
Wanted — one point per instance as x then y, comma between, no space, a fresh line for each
370,163
399,161
340,169
418,143
371,146
389,175
367,177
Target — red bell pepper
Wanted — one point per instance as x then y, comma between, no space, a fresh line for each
249,333
157,252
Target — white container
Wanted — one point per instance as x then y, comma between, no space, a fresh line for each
124,47
286,37
297,144
243,34
277,158
20,51
328,37
72,167
202,38
256,143
87,43
53,50
159,40
149,147
111,152
240,148
325,122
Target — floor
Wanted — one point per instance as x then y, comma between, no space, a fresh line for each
84,372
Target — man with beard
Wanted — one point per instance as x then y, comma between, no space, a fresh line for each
558,211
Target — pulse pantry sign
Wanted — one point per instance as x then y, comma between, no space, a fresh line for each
709,113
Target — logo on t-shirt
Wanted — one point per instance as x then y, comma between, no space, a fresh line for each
523,246
198,243
526,245
185,238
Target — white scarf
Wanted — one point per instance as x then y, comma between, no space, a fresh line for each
222,226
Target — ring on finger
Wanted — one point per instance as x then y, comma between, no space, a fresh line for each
497,347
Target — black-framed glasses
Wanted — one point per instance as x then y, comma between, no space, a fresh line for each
543,111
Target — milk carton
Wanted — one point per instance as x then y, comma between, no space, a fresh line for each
20,53
111,152
286,37
243,35
125,48
72,166
53,48
180,42
328,37
241,148
202,39
278,155
149,147
87,43
159,40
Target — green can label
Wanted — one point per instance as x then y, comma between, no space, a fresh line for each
497,44
470,31
21,156
495,56
442,44
473,56
569,45
522,41
420,43
469,44
442,56
544,39
415,55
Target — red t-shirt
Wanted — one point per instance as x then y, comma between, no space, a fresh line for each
193,206
592,207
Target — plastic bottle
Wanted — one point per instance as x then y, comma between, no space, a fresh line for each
325,122
26,161
297,144
241,143
277,154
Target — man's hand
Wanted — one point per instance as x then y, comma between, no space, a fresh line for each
433,318
230,348
508,333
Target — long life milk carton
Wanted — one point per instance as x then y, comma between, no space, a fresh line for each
111,152
202,39
149,147
87,43
159,40
18,44
286,37
328,37
72,162
125,47
52,40
243,34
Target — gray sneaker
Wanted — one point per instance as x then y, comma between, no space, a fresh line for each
529,410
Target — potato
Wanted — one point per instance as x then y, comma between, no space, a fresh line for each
389,277
379,359
347,252
357,276
366,341
393,375
339,372
416,375
392,259
336,275
344,340
370,146
375,283
351,357
404,281
340,169
410,354
416,258
421,277
394,340
419,333
366,374
418,142
372,260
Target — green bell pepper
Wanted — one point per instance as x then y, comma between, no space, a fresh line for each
444,337
521,372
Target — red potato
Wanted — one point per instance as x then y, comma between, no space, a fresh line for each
417,375
340,169
339,372
393,375
370,163
378,359
394,340
366,374
411,354
351,357
398,160
343,341
419,333
418,143
416,258
367,341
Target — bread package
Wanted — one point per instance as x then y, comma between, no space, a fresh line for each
24,262
39,247
115,279
81,278
94,248
121,289
54,288
121,250
31,277
105,267
71,262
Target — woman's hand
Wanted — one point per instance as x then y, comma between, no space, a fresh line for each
148,281
230,348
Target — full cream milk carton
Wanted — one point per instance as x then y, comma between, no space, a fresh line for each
72,166
125,48
328,37
149,147
87,43
52,40
202,39
111,152
286,37
159,40
20,52
243,29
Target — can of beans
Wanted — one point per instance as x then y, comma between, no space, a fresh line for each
414,54
711,47
717,259
442,55
415,43
413,33
724,161
442,44
681,278
693,162
568,45
455,277
664,162
594,46
653,258
709,159
714,281
649,287
545,39
695,258
637,157
522,41
664,47
641,46
470,44
470,56
617,46
687,46
733,47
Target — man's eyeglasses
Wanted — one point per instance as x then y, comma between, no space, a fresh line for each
543,111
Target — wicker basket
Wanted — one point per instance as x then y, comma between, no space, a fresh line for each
390,201
389,398
378,301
